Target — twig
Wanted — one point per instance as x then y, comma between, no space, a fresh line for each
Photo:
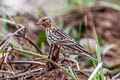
11,22
22,74
6,55
31,43
82,73
8,72
26,62
6,42
116,77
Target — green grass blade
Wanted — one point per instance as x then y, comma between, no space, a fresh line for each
79,32
4,24
71,71
98,53
93,61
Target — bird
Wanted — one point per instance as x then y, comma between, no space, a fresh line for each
55,35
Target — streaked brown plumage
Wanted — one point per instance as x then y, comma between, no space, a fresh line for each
57,36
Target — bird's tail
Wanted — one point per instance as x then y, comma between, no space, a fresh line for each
79,48
85,52
88,54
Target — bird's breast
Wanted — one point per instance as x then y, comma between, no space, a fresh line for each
50,37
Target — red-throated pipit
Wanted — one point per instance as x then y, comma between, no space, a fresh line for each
57,36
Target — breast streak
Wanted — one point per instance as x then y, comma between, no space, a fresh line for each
50,37
64,49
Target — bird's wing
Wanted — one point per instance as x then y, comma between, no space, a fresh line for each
63,38
66,40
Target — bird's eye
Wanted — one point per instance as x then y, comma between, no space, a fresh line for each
44,19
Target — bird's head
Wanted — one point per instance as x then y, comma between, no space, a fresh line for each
47,22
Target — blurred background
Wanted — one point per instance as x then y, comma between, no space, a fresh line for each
76,17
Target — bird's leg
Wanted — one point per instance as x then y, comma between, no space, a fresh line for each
50,51
53,55
49,57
